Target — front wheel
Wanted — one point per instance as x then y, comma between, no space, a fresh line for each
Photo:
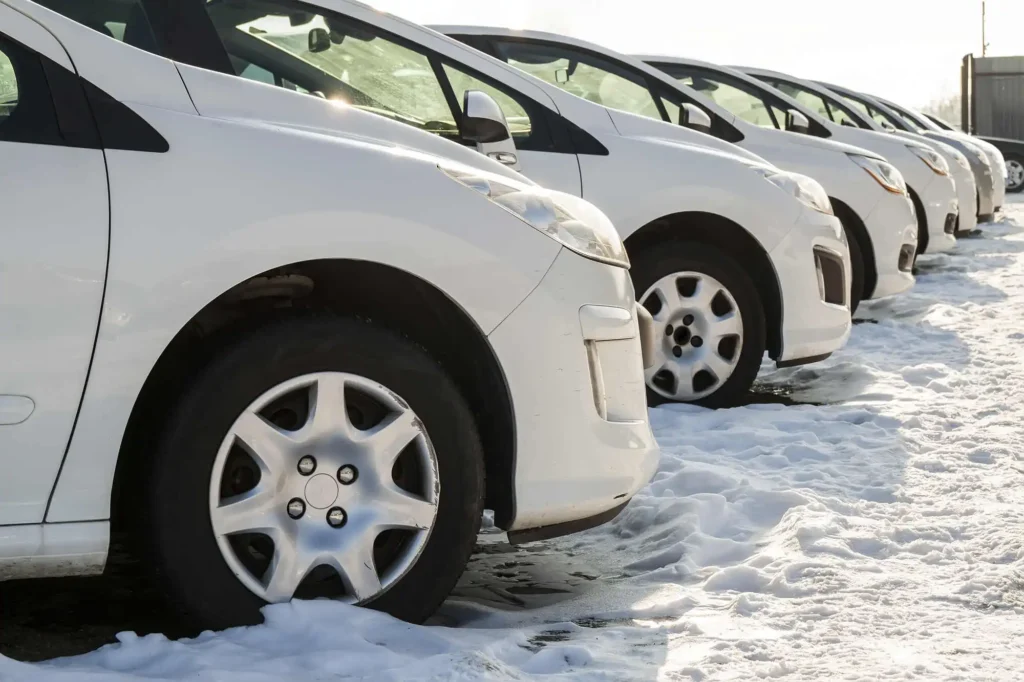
1015,174
315,458
709,321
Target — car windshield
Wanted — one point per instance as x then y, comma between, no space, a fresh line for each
584,76
364,71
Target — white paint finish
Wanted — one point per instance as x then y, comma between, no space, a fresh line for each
606,323
218,95
897,212
53,550
810,325
32,35
53,251
269,196
125,73
15,409
570,463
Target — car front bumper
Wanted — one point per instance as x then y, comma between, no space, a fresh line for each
573,359
966,198
985,183
941,209
893,229
813,266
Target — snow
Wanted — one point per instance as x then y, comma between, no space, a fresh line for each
872,531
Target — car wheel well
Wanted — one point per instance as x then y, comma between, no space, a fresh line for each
922,220
718,231
387,296
851,221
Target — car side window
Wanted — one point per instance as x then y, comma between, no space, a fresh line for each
329,55
122,20
26,104
809,99
582,74
518,119
8,88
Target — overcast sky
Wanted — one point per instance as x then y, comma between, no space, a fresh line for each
907,50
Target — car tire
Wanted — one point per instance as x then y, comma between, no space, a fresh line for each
1015,168
680,259
189,562
857,267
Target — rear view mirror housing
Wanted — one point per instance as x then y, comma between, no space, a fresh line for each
319,40
693,117
484,124
796,122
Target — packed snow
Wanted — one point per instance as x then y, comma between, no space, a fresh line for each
872,531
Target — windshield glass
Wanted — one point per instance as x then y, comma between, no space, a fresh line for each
740,103
583,75
364,70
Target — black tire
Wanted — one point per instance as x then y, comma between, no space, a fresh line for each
183,550
652,264
1015,189
858,267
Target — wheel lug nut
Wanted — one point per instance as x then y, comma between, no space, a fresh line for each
307,465
697,342
336,517
688,320
668,330
677,351
296,508
348,474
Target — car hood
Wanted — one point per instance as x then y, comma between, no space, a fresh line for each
632,125
220,96
831,145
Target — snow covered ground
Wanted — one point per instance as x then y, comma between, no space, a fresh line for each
874,532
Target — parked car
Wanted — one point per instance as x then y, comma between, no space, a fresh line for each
879,224
927,173
995,147
285,352
731,255
977,183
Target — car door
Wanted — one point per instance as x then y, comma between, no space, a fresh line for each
54,224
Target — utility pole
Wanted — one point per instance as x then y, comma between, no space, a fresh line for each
984,45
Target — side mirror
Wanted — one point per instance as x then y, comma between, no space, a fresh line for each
692,116
888,127
319,40
849,123
484,124
797,122
562,76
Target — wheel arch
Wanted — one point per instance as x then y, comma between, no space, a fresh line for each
392,297
922,220
852,221
716,230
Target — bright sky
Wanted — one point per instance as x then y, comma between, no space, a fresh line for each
906,50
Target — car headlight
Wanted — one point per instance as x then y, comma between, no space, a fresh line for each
884,173
596,239
807,191
931,157
960,159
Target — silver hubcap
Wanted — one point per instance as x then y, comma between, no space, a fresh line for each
326,485
701,331
1015,171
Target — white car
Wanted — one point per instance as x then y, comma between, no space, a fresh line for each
975,183
926,172
279,350
1009,162
731,255
878,218
981,153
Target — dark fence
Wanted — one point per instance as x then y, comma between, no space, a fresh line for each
993,96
